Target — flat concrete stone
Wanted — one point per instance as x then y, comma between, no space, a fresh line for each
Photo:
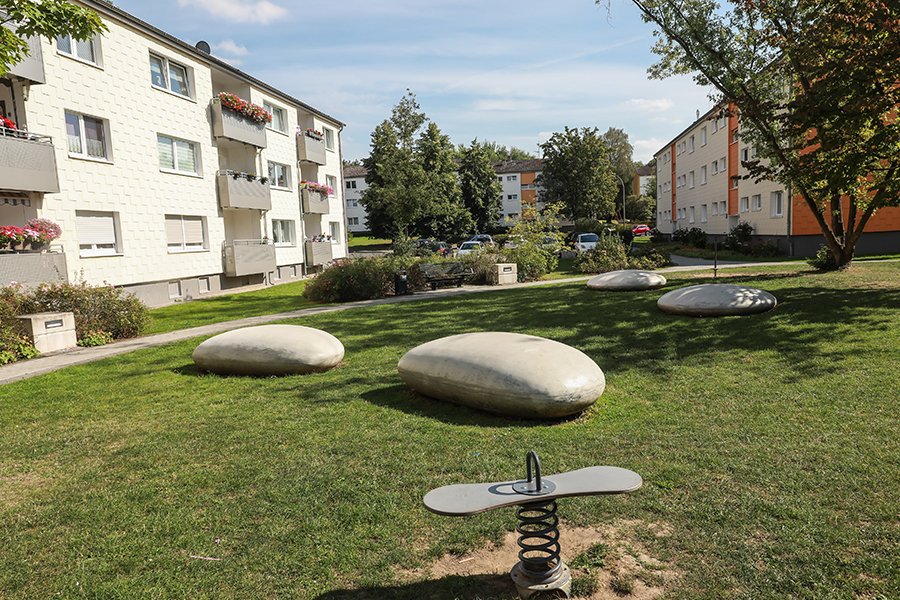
716,300
505,373
269,350
626,280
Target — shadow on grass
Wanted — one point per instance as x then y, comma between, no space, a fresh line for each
451,587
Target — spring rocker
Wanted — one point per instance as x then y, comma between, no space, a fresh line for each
540,568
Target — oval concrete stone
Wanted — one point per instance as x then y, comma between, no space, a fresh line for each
716,300
269,350
505,373
626,280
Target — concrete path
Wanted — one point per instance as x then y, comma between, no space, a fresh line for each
37,366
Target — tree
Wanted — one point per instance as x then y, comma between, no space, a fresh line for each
479,186
497,153
446,216
577,173
22,19
815,85
620,155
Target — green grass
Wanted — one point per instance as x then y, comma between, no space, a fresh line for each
276,299
768,447
362,242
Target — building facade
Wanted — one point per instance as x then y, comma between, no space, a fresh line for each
354,186
136,145
700,183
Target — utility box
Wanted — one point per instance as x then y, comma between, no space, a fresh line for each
505,273
51,331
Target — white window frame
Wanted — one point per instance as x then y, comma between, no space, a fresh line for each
195,149
352,202
329,138
512,177
703,137
715,209
274,111
723,164
331,181
273,176
703,217
188,234
715,167
354,221
691,149
512,196
98,233
334,228
691,180
756,202
777,202
82,138
351,184
166,66
73,44
703,175
723,209
284,232
744,204
692,215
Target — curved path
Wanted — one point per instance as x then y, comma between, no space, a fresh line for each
45,364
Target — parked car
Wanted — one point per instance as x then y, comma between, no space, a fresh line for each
441,248
470,247
582,242
641,230
483,238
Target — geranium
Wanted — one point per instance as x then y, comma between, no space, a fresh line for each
46,229
8,123
312,186
313,133
10,234
242,107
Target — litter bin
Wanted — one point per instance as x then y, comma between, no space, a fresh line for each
505,273
401,284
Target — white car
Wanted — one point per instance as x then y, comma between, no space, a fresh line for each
469,247
585,241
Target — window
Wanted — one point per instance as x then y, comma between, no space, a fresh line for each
745,204
169,76
351,203
351,184
734,136
352,220
329,139
499,180
692,214
715,209
691,178
777,204
283,232
97,233
512,197
178,156
703,213
512,215
185,233
692,144
335,229
279,176
715,125
745,155
88,50
279,119
722,208
512,177
703,137
756,202
722,164
331,181
87,136
715,167
703,175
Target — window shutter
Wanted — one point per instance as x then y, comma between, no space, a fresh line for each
174,231
193,231
166,159
96,229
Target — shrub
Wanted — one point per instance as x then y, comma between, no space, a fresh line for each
96,308
532,262
823,260
694,237
482,265
764,248
351,279
611,255
739,236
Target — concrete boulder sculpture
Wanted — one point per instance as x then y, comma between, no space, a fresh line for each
269,350
618,281
716,300
505,373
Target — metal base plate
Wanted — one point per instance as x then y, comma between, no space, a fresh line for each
526,586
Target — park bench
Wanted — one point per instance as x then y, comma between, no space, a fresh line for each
446,272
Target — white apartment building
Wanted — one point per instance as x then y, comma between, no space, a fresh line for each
354,186
125,142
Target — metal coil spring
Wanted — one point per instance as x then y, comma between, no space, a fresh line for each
539,533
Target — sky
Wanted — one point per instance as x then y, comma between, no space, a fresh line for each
510,72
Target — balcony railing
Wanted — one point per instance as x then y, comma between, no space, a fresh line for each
33,268
314,202
231,125
248,257
311,148
27,162
318,253
237,191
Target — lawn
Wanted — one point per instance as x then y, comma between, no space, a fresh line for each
768,447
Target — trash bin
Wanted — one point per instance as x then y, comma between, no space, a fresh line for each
505,273
401,284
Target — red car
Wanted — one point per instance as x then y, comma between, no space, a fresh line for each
640,230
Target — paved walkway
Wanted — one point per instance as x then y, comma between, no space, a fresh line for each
37,366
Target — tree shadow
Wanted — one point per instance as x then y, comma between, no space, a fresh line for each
451,587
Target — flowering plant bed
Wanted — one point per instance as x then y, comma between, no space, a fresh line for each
312,186
244,108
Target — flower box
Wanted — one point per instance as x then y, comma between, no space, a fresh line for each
311,148
235,126
314,202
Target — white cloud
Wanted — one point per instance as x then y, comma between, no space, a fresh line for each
240,11
649,105
228,46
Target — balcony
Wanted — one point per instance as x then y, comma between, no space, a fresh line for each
314,202
318,253
31,67
248,257
236,191
233,126
311,148
33,268
27,162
